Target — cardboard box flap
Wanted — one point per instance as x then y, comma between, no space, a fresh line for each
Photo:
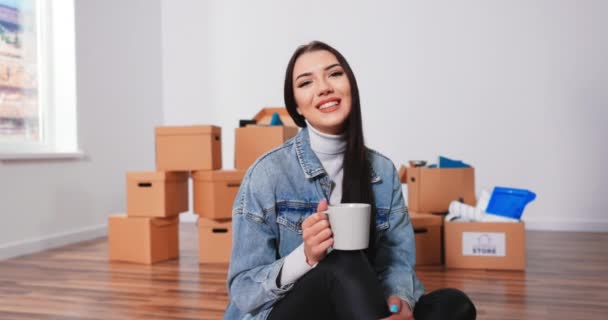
421,220
162,222
187,130
265,115
145,177
219,175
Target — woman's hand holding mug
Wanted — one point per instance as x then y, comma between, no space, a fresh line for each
317,235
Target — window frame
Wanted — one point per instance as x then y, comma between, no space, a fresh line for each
56,50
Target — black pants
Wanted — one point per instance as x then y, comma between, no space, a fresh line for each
344,286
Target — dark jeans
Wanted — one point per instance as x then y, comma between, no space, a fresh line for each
344,286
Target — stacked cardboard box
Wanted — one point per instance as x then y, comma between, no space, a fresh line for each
429,193
149,231
198,150
471,245
215,191
428,237
188,148
214,194
485,245
254,140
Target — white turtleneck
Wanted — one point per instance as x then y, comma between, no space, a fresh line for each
330,151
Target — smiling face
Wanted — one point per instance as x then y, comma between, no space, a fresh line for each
322,91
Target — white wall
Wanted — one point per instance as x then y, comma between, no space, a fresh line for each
188,69
47,203
516,88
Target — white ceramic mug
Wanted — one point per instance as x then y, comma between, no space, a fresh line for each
350,225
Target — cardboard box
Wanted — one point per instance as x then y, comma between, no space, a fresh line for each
253,141
215,191
432,189
157,194
428,234
188,148
215,240
403,174
485,245
265,115
142,240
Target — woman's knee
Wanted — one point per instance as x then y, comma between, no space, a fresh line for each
448,302
466,308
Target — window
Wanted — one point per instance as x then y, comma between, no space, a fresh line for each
37,105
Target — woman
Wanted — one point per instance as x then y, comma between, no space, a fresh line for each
280,266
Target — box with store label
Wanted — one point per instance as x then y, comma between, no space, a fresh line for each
157,194
428,236
215,191
142,240
485,245
253,141
215,240
432,189
188,148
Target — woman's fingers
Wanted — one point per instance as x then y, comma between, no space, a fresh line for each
313,219
323,246
322,236
322,206
318,244
316,234
315,229
313,238
319,215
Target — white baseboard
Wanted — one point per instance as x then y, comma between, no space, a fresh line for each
23,247
567,225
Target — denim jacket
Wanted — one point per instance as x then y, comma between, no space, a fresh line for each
279,191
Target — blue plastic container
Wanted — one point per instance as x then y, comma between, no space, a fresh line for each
450,163
276,120
509,202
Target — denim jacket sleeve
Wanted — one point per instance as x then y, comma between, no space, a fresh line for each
254,263
396,251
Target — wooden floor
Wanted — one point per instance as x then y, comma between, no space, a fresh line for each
566,278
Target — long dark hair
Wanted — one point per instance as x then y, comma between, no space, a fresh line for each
356,181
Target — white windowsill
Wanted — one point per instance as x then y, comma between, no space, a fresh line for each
41,155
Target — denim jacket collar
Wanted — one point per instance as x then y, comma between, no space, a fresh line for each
308,159
311,165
